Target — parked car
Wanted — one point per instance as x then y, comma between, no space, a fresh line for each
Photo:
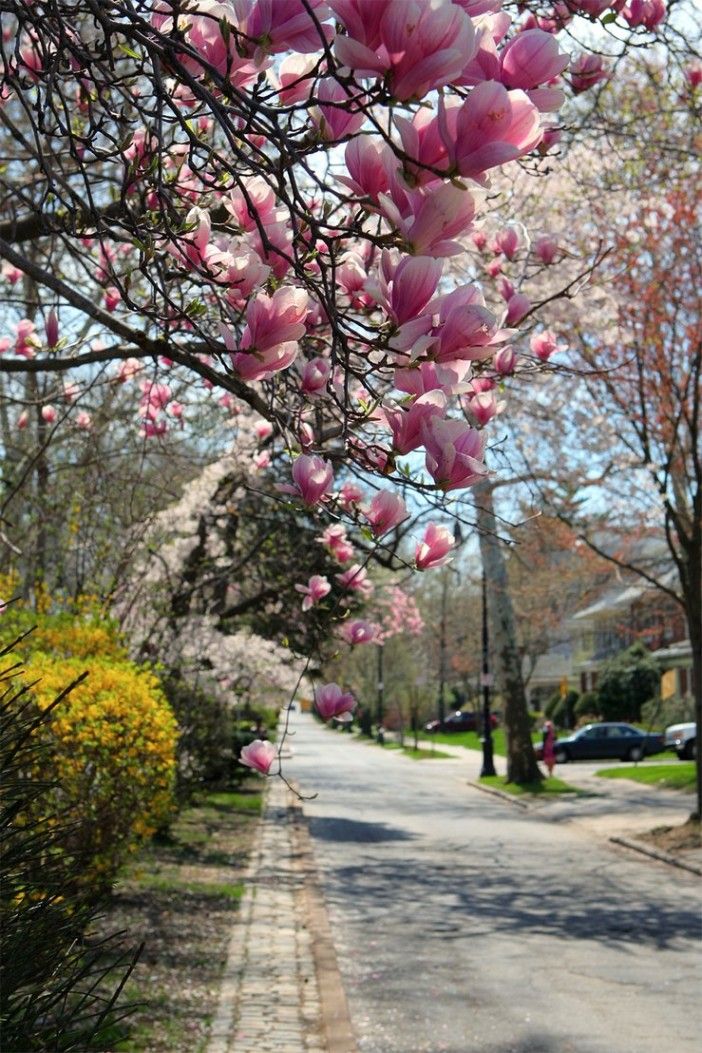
461,720
602,741
683,739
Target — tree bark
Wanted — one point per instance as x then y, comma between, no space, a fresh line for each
521,760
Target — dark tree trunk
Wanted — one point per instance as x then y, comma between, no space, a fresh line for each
521,761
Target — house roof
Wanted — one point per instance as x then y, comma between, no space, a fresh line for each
680,649
612,600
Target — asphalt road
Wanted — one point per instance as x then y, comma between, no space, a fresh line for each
464,926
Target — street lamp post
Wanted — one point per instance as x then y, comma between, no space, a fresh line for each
488,767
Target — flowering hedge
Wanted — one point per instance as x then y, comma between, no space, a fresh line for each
112,742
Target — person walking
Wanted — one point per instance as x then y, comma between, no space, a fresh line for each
549,740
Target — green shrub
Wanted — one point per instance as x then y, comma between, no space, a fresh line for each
660,713
626,682
588,705
58,983
206,746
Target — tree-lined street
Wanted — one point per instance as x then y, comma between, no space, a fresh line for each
463,925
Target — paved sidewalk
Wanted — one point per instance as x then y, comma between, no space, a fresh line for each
269,1000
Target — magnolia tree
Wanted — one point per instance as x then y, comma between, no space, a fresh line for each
263,197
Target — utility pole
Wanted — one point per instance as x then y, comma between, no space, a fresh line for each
380,686
442,644
488,767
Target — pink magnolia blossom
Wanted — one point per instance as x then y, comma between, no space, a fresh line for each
331,701
358,631
430,220
406,424
84,421
544,344
505,288
287,25
274,320
466,330
338,114
370,167
294,77
693,74
314,377
305,434
128,369
262,429
434,548
312,478
386,511
350,494
506,242
546,248
479,239
52,329
356,579
418,46
112,298
71,390
23,420
646,13
505,361
518,306
491,127
259,755
493,268
531,58
586,71
335,541
454,453
483,407
315,590
49,414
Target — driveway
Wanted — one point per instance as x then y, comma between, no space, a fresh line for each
463,925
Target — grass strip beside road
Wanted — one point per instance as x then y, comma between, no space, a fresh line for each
472,740
679,776
529,789
180,895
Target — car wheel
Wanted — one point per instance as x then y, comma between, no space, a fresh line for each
635,753
562,756
689,751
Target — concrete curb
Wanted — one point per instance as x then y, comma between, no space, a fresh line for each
336,1021
510,798
656,853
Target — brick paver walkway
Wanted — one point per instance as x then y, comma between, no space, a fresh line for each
269,1001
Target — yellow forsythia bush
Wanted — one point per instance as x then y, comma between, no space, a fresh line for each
112,757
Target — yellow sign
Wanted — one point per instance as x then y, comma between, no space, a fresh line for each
564,687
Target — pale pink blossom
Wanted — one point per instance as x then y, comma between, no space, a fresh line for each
84,421
287,25
358,631
386,511
263,428
454,453
546,248
315,590
336,542
314,377
356,579
483,407
312,478
112,298
370,165
467,330
294,77
406,424
518,306
491,127
338,114
331,701
128,369
505,361
646,13
49,414
434,548
506,242
544,344
23,420
431,219
586,71
531,58
350,494
259,755
417,46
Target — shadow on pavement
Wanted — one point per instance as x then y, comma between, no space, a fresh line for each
457,902
331,829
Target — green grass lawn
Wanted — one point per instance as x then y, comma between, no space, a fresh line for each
530,789
679,776
420,754
471,740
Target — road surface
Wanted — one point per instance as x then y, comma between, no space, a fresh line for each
463,925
